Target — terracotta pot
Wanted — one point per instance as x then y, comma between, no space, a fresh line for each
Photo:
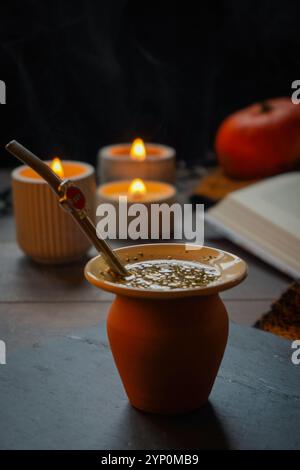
168,345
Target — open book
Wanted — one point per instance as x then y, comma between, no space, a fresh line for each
264,218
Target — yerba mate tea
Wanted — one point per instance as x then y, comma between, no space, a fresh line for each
169,274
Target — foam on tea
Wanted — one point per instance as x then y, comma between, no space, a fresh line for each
169,274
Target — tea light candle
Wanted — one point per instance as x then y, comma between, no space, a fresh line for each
45,232
138,160
137,192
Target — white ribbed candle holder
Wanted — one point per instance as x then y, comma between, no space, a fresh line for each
46,232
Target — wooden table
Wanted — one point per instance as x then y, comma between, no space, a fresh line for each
60,389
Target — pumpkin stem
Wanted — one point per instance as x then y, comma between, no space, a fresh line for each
265,106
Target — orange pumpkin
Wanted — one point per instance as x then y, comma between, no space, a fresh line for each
260,140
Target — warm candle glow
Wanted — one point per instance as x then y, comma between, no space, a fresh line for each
138,151
137,188
57,167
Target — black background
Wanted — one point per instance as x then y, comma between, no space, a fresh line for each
82,74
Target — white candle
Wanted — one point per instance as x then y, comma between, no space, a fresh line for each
138,160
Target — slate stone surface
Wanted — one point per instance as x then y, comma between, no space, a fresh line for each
62,391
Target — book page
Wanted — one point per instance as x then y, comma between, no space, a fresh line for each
277,200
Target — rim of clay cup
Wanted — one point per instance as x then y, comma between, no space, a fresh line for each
232,269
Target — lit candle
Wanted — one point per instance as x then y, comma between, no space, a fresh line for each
45,232
57,167
136,192
137,189
138,150
149,161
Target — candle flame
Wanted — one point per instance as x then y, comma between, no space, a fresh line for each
57,167
138,150
137,188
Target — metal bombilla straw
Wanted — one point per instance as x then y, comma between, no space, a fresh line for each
71,199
